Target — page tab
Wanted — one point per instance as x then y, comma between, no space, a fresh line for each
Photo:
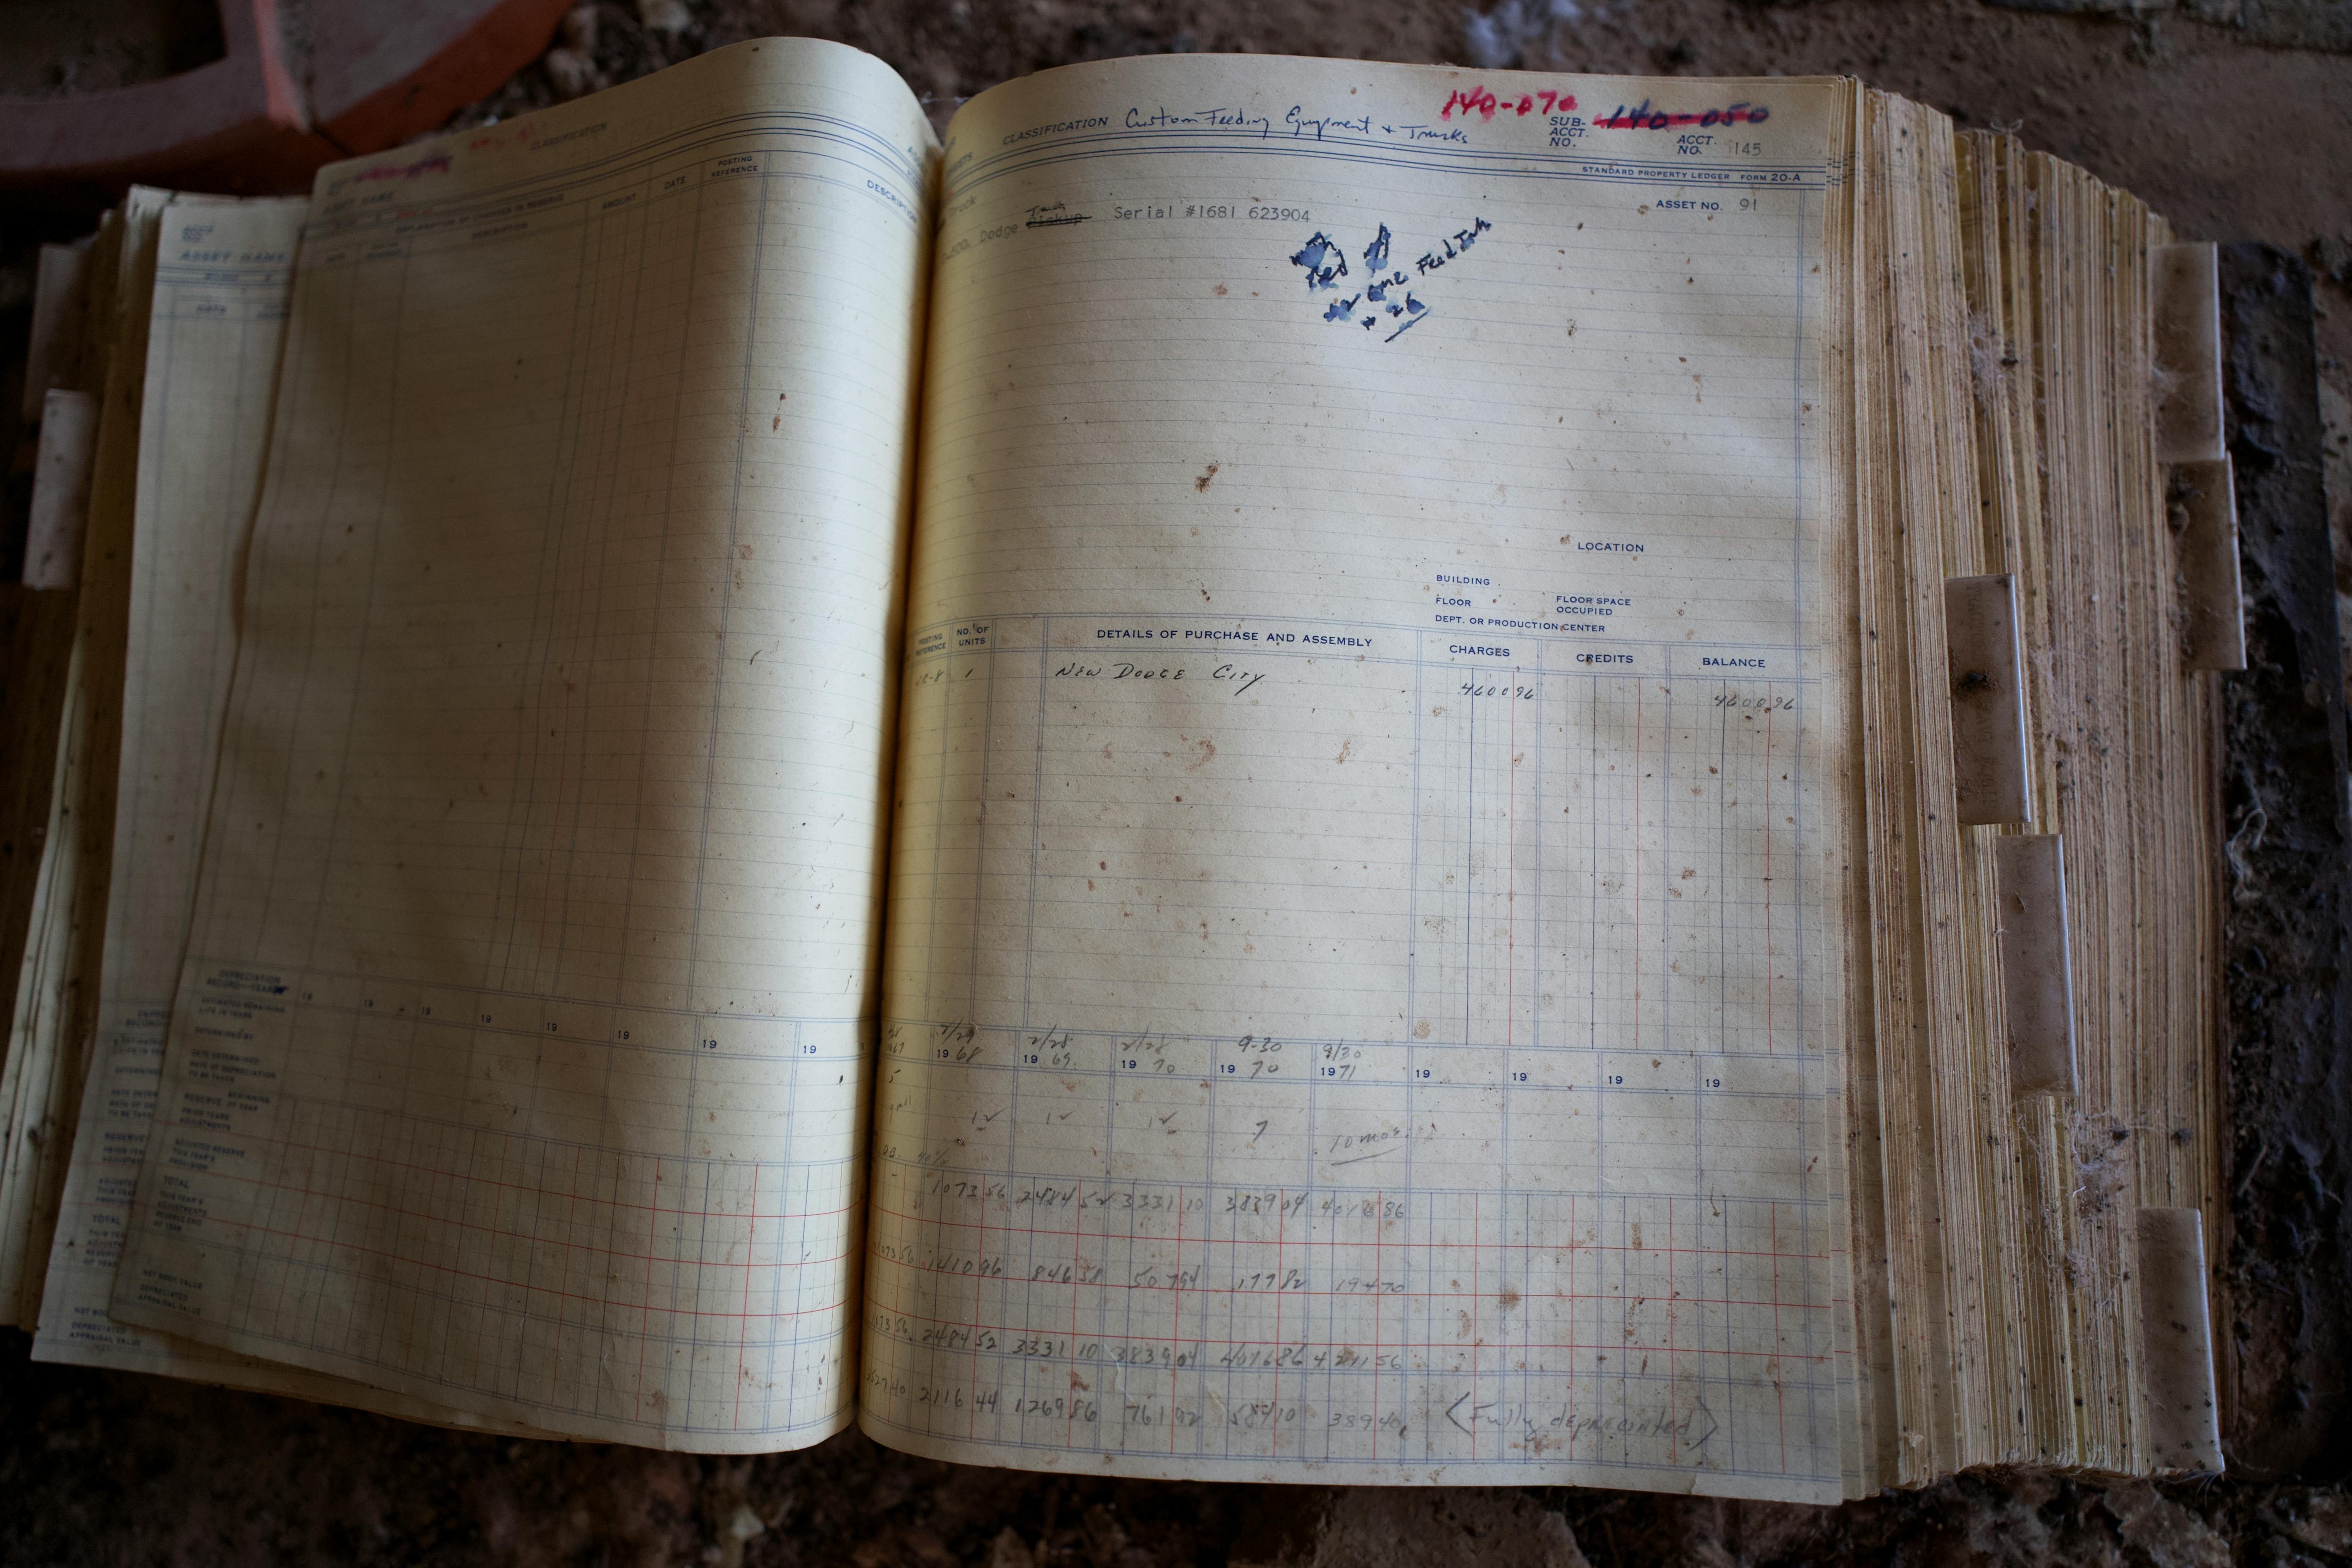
53,352
60,505
2037,968
2204,507
2184,1430
1987,700
2186,305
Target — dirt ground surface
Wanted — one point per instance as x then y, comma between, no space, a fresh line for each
2233,117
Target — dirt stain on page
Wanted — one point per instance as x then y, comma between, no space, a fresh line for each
1209,473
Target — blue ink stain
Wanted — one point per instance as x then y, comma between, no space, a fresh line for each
1325,262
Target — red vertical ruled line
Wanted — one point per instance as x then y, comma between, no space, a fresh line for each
1078,1266
1378,1287
1478,1323
1176,1316
1673,1287
555,1375
1634,850
972,1416
1778,1396
486,1283
351,1321
347,1188
300,1228
645,1306
1281,1218
437,1224
1572,1324
744,1328
1510,1012
1770,1045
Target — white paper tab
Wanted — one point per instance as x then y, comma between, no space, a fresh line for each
2185,285
60,506
1987,700
2184,1430
2205,548
53,352
2037,970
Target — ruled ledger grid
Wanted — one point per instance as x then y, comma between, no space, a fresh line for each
222,275
1358,999
518,1059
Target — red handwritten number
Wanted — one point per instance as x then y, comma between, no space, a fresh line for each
1486,103
1645,118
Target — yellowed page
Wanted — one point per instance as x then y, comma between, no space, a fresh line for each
219,304
223,275
54,1007
516,1064
1359,995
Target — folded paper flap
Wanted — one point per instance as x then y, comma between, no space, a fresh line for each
1988,698
2037,968
2186,304
2204,515
2176,1342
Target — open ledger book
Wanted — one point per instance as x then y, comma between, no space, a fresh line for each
1267,774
